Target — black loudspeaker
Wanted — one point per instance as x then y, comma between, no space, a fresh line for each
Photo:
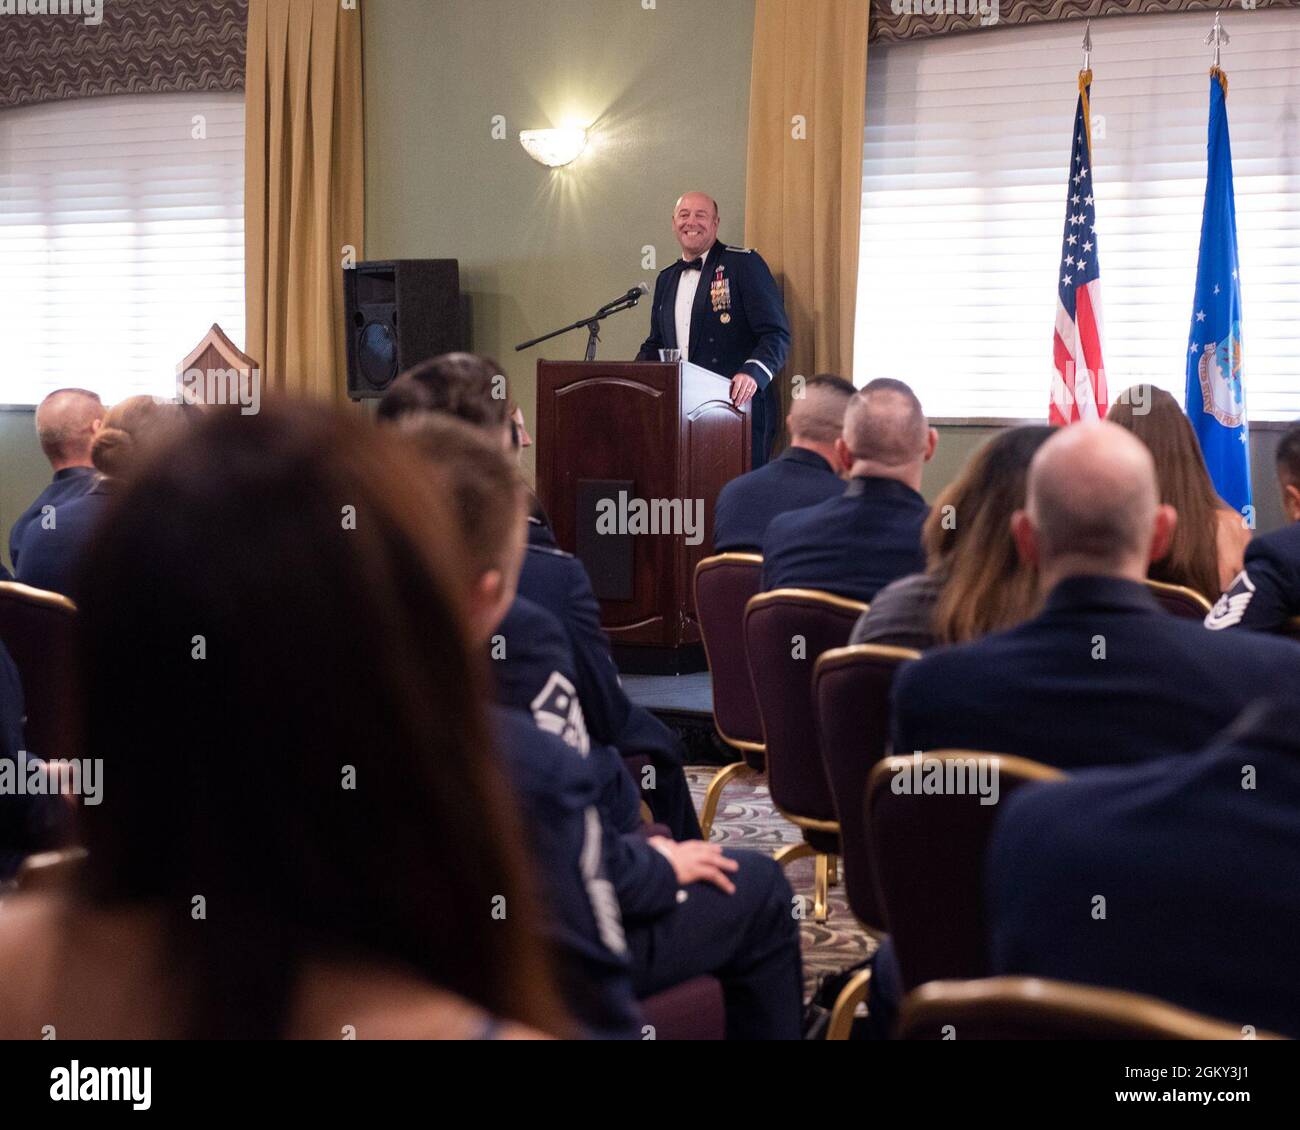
399,313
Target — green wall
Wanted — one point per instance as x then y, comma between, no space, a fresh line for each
667,91
958,441
23,470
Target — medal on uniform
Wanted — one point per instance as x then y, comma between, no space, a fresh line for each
721,295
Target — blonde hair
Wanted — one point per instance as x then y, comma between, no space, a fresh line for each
130,426
1193,556
968,542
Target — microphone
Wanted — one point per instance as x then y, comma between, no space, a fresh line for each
633,296
592,324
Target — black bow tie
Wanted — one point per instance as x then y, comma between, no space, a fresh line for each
693,265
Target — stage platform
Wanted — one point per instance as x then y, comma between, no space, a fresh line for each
685,705
672,694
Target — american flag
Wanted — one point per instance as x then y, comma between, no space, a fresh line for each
1079,386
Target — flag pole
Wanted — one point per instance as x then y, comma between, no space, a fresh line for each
1085,81
1217,38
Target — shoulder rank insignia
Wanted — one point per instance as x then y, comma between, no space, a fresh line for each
557,711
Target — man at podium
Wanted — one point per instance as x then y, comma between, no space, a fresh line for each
720,307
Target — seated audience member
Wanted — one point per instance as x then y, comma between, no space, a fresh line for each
1210,538
804,475
686,908
29,822
1196,858
1102,675
66,423
304,827
53,543
571,854
1266,594
975,582
558,791
473,389
533,671
519,440
854,545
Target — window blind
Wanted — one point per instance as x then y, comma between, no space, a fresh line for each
121,240
964,195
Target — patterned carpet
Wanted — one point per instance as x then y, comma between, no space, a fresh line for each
747,819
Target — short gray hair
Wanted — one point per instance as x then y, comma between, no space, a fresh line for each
886,424
64,422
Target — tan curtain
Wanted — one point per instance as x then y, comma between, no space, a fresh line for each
803,197
303,187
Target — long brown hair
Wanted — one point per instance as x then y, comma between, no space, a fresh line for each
291,723
968,542
1193,556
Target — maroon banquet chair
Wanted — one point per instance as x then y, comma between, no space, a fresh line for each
927,851
693,1010
786,630
723,586
1179,600
851,688
1031,1008
37,629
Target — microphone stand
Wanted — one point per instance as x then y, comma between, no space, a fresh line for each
592,325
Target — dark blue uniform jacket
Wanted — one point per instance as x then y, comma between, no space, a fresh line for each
1102,676
746,505
738,325
1196,858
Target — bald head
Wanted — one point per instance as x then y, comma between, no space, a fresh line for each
1093,504
695,223
66,423
817,411
697,200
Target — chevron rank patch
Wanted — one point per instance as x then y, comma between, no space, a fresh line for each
556,710
1231,606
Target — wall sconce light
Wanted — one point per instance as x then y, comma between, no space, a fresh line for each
554,147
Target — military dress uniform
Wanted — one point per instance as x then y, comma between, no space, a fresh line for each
798,478
571,853
48,558
748,940
738,325
70,483
1266,593
1199,874
557,582
852,545
1165,687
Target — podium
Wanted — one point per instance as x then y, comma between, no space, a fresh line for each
618,444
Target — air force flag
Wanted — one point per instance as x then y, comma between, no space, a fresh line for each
1216,394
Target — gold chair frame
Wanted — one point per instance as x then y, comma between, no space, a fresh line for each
827,866
1180,591
1130,1015
737,770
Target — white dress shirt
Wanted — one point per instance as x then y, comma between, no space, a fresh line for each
688,283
